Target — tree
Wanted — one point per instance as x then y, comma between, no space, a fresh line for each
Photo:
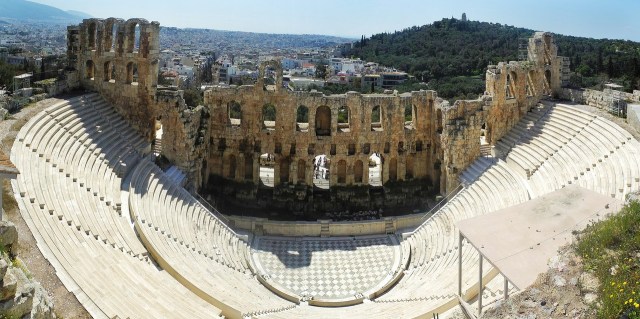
7,72
321,70
193,97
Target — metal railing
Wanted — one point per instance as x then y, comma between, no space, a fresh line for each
455,192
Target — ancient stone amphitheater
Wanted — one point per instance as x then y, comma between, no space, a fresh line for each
131,242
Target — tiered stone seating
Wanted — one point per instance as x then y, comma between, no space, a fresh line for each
75,155
194,246
596,157
563,146
93,248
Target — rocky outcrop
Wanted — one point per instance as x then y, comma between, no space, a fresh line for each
20,296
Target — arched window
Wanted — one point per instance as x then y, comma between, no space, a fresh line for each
302,119
132,37
375,169
409,116
109,71
91,69
269,117
342,171
136,38
114,36
235,113
343,119
321,167
92,36
323,121
132,73
302,168
511,85
266,170
357,171
376,119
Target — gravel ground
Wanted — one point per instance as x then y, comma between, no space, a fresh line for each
65,303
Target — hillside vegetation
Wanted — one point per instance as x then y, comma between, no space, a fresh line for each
611,250
449,49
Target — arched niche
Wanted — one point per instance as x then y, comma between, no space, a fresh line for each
323,121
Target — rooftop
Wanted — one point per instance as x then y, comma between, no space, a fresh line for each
519,240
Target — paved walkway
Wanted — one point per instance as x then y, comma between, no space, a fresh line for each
335,268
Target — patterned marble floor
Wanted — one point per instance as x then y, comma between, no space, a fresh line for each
333,268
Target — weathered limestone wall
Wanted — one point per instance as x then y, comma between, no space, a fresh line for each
185,131
434,147
600,99
512,89
461,138
315,229
249,139
119,64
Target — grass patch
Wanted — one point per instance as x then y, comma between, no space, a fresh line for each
611,249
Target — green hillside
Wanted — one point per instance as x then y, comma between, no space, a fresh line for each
451,53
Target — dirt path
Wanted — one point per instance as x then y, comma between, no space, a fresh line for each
65,302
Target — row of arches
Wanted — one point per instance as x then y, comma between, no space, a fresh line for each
109,72
112,37
321,169
322,118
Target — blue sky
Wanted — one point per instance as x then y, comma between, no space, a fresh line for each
613,19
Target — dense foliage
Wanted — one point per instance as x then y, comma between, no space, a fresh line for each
449,49
193,97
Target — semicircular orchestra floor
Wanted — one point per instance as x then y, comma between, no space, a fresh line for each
339,268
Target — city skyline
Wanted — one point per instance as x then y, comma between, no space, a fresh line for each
594,19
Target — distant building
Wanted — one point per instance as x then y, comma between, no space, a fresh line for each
288,64
370,82
300,84
382,80
392,79
16,60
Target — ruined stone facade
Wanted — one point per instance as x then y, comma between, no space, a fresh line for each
119,59
421,138
512,89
